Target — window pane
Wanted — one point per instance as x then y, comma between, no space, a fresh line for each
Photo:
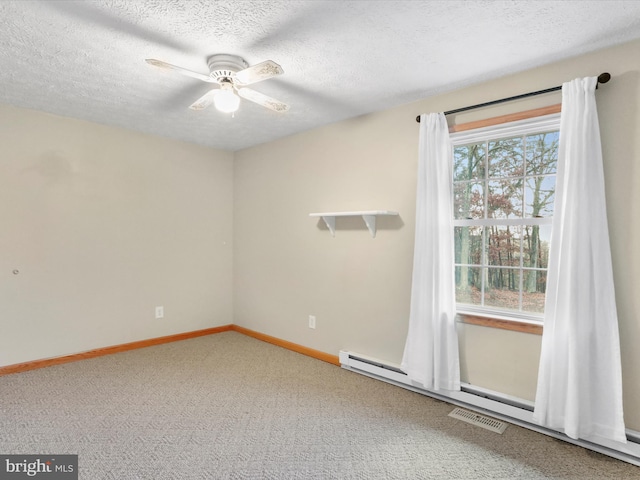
505,199
542,153
504,245
468,200
500,267
468,285
506,158
539,196
468,162
533,291
502,288
468,245
536,246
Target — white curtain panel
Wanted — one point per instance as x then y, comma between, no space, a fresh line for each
431,350
579,380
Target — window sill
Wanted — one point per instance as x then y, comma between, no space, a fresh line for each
513,325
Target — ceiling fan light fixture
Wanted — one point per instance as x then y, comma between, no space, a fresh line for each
226,100
229,71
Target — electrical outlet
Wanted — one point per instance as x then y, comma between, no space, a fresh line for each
159,312
312,321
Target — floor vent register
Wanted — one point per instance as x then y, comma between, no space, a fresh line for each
478,420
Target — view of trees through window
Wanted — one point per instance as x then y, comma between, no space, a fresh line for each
503,204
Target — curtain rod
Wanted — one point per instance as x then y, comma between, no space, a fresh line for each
602,78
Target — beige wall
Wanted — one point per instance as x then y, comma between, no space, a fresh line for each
103,225
287,266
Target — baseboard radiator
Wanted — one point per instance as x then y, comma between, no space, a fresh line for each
504,407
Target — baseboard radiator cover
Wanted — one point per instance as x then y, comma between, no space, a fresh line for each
504,407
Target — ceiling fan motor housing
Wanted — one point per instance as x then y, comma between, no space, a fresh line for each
223,67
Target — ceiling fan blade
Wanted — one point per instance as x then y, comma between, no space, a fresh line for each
259,72
183,71
205,100
263,100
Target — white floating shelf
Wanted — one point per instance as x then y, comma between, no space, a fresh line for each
369,217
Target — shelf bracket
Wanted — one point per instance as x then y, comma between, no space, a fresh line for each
330,221
370,222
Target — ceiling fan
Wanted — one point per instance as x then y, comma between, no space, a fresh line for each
231,73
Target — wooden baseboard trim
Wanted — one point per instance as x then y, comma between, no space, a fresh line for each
310,352
98,352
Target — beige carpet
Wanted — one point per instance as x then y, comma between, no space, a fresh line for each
228,406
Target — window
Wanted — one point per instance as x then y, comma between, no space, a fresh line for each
504,181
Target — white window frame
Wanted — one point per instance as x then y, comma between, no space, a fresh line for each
528,126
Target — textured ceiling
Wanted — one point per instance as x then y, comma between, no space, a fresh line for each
85,59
